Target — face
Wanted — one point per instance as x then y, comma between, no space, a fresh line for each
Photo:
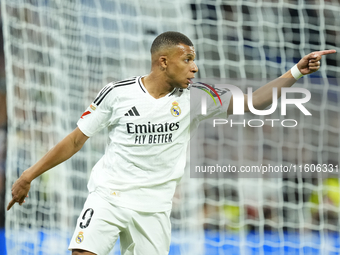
180,66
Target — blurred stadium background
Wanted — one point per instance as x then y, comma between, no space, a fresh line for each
58,55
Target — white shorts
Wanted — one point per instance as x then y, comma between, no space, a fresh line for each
100,223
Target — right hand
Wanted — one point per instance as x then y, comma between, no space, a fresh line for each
19,191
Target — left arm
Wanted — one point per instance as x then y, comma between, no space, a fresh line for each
262,97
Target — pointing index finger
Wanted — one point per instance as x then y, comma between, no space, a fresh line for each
10,204
324,52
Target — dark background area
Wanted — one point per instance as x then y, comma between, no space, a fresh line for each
3,129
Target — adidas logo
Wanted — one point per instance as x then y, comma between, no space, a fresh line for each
132,112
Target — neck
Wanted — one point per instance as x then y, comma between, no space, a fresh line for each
156,85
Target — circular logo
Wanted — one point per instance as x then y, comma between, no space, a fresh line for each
79,237
175,110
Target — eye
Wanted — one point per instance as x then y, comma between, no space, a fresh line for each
187,60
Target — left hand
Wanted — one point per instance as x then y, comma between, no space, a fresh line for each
311,62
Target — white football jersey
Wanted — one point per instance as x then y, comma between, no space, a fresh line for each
146,151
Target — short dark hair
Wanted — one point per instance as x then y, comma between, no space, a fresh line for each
169,39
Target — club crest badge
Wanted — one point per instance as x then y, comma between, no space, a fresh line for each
175,110
79,237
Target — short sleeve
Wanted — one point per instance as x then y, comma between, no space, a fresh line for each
99,114
216,105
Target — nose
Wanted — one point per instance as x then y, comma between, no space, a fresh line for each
194,68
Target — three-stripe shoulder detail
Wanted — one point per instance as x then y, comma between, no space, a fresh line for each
108,88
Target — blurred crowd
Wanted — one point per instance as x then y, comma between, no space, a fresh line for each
3,130
285,32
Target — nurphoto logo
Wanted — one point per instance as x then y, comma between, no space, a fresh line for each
239,103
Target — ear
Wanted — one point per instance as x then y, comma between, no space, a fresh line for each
163,62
